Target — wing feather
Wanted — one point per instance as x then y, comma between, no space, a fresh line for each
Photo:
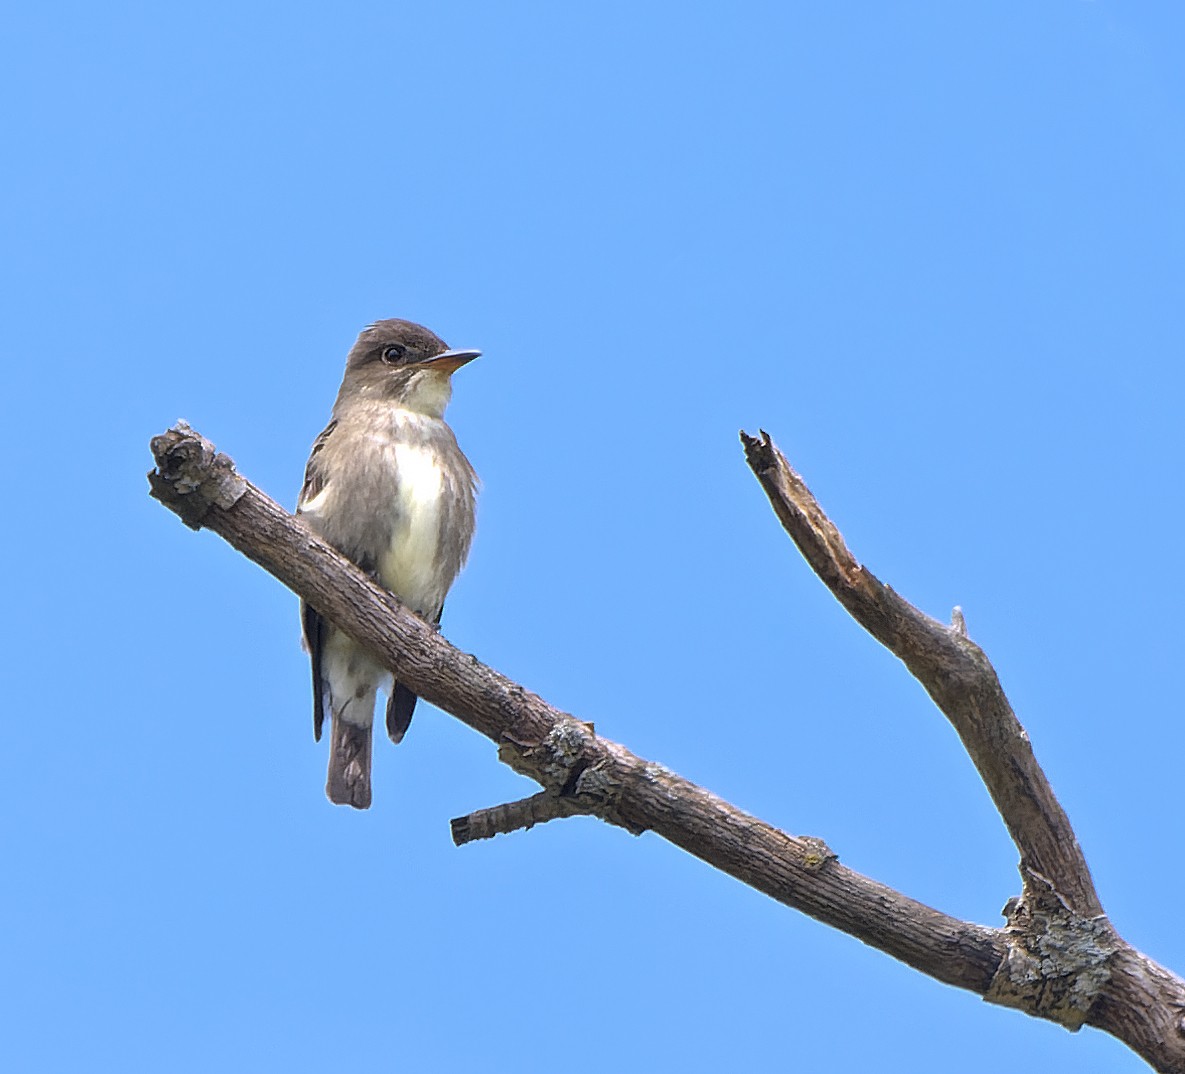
314,475
313,625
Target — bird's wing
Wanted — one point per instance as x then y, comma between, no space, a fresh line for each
314,642
312,623
314,475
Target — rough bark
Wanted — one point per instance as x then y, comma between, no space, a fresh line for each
1058,957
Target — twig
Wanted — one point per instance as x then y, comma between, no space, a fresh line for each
521,815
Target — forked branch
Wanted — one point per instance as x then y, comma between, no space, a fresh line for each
955,673
1065,960
1057,958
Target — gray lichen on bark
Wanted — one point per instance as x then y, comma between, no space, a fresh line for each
1058,963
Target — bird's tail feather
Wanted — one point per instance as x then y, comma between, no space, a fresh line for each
349,765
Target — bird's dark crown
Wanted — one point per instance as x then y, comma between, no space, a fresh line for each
394,343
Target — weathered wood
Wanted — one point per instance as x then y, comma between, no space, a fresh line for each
1107,983
955,673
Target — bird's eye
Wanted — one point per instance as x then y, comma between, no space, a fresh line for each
393,353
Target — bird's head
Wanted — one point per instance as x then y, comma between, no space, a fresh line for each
406,364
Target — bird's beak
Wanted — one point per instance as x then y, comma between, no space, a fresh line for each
451,361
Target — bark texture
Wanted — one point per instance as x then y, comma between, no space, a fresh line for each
1058,957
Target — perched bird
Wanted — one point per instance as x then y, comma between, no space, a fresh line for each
387,485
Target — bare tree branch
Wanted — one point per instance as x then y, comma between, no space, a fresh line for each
955,673
1058,957
1065,958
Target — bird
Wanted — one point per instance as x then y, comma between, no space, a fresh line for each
388,486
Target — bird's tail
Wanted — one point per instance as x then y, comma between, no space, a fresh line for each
349,764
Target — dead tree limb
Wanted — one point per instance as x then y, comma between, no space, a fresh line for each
1057,958
955,673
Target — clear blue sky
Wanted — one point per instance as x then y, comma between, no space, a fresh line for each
936,249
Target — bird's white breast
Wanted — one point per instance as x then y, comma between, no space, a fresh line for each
409,568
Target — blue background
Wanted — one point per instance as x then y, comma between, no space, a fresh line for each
935,249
